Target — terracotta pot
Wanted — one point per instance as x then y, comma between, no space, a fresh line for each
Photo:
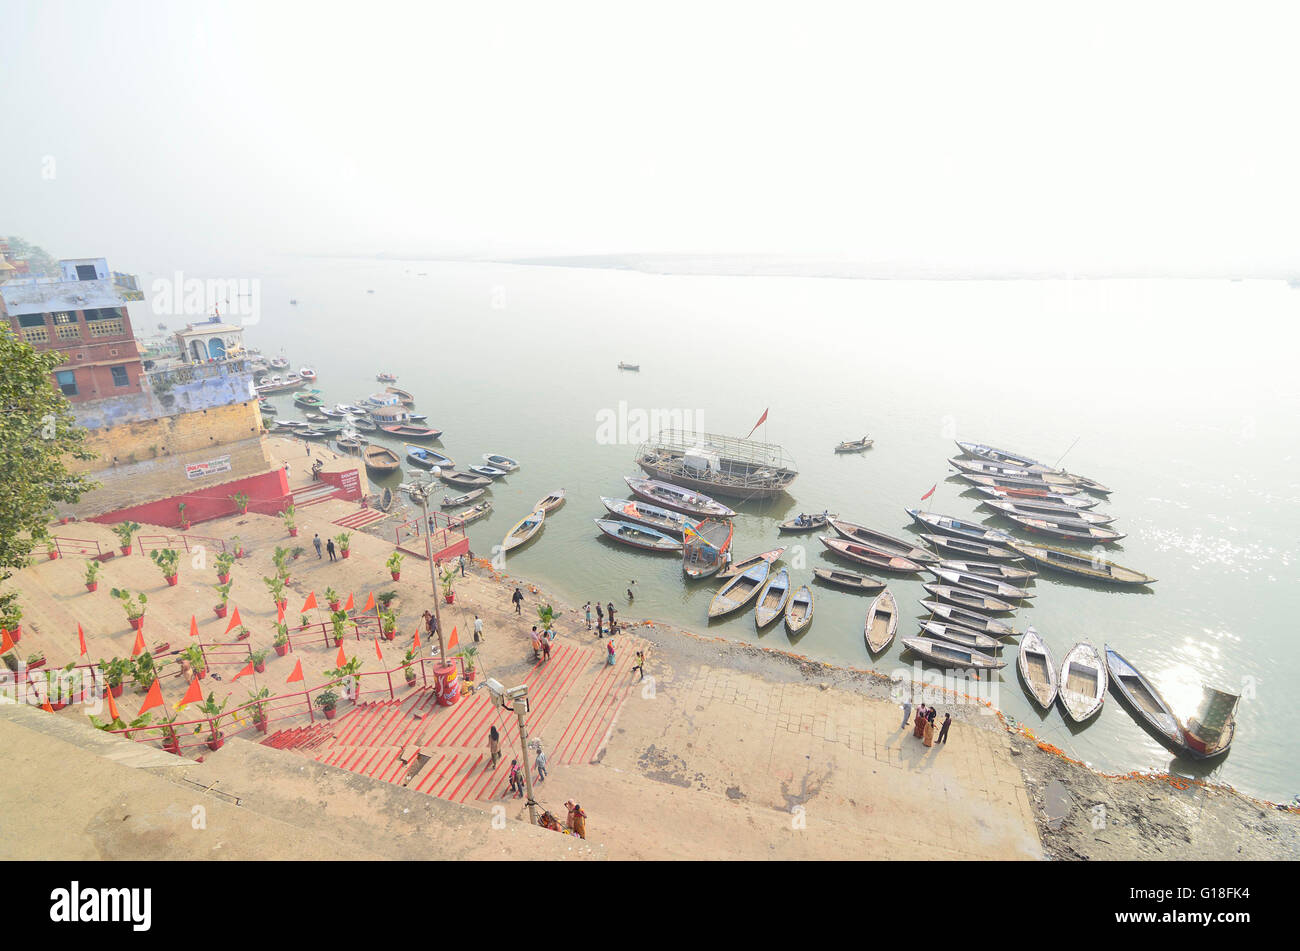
450,598
244,636
201,673
260,724
172,579
37,663
58,706
220,610
281,650
338,642
397,575
54,554
92,585
469,675
260,668
223,579
329,714
16,633
293,533
185,526
117,691
334,605
173,748
410,676
346,552
216,744
243,510
390,635
126,549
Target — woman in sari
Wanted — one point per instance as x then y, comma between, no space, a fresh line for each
919,728
929,727
578,821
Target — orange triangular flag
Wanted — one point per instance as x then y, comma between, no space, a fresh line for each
309,603
194,626
279,612
138,649
46,707
378,652
112,705
351,605
6,643
152,699
234,621
451,641
81,639
248,669
342,659
297,672
193,695
417,637
370,602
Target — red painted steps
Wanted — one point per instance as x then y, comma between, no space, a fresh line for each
361,519
311,494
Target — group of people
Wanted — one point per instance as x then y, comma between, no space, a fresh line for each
600,617
806,520
575,824
923,723
329,547
542,641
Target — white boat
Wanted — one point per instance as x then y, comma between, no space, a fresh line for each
307,373
501,462
1082,682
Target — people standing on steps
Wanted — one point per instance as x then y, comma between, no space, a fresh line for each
494,743
610,608
587,610
907,712
600,620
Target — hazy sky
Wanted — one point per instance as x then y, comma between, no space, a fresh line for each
981,134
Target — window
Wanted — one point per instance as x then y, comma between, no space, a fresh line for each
67,381
37,335
64,317
68,331
86,272
119,376
102,313
31,320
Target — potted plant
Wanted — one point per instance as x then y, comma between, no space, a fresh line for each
224,591
171,742
168,561
328,701
93,568
75,683
344,540
144,671
332,597
276,587
114,670
394,565
124,532
546,616
241,502
338,620
350,673
385,599
117,723
407,670
280,558
36,660
193,655
134,606
242,633
213,711
298,552
388,624
448,577
467,655
236,544
281,642
185,519
258,700
225,561
43,535
259,660
11,619
289,515
11,661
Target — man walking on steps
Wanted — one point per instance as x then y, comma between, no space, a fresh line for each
316,541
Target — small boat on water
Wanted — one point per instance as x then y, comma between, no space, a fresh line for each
274,384
705,546
950,655
1037,669
1071,529
799,610
1002,457
365,424
336,414
466,499
308,401
966,598
406,398
971,531
472,514
467,479
351,408
407,431
968,617
351,444
549,503
266,408
629,366
882,561
1209,731
848,580
427,458
317,434
772,598
1063,513
1083,682
638,536
524,530
744,564
1022,486
980,583
740,590
491,472
1080,565
280,363
1143,698
990,569
1088,485
307,373
315,417
964,547
661,519
381,460
881,623
855,445
880,541
962,636
1020,496
1011,473
678,499
292,424
386,377
805,523
501,462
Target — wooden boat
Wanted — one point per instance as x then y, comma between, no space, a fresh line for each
1088,485
491,472
881,561
966,598
1080,565
292,424
351,444
351,408
1021,496
740,590
524,530
314,417
799,610
848,580
1025,485
720,465
638,536
628,366
1011,473
661,519
705,547
980,583
967,617
336,414
740,567
1083,682
804,523
772,599
880,541
1073,530
1143,698
549,503
467,479
427,458
964,547
307,373
990,569
280,363
416,418
406,398
501,462
1002,457
955,527
961,636
466,499
950,655
881,623
407,431
364,424
855,445
1037,669
317,434
381,460
386,377
266,408
678,499
1063,513
471,514
1209,731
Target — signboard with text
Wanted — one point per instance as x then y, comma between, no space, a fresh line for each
198,470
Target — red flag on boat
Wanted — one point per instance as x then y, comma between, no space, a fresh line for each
297,672
248,669
931,492
309,603
138,649
194,626
193,695
234,621
761,420
81,639
351,605
341,659
152,699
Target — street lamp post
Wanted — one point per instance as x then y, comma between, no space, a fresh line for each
422,493
509,699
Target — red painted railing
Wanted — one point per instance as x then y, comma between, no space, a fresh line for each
186,542
71,546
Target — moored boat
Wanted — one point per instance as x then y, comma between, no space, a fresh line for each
1067,528
965,547
524,530
1000,456
1083,682
406,398
307,373
740,567
771,600
880,541
634,510
386,377
471,514
966,598
705,546
467,479
365,424
1025,485
451,503
501,462
408,431
1080,565
628,366
678,499
799,609
881,561
1037,669
1011,473
1143,698
491,472
804,523
1209,731
740,590
950,655
981,583
963,636
638,536
1027,498
1063,513
381,460
427,458
990,569
971,531
881,623
551,501
719,465
848,580
971,618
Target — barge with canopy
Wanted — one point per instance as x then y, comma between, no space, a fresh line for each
718,465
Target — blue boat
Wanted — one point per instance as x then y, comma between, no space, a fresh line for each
427,458
638,536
